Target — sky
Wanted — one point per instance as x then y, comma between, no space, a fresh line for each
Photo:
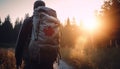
78,9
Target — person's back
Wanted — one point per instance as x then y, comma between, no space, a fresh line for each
22,49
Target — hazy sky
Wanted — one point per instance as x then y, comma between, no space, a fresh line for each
15,8
65,8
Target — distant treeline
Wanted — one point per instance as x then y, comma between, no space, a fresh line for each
108,17
8,32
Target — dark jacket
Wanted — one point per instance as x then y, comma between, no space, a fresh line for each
23,40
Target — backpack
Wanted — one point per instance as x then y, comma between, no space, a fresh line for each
44,44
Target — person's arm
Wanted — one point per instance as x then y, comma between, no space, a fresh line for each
21,41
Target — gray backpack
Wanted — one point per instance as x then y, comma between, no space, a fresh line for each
44,44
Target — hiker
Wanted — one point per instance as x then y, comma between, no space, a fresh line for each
38,41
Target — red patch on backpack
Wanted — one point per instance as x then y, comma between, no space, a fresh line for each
48,31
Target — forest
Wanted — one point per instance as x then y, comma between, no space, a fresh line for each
100,52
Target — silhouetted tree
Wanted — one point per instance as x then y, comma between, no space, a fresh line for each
6,31
68,23
0,29
0,21
69,34
18,24
111,19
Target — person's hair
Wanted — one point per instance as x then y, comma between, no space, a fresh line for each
39,3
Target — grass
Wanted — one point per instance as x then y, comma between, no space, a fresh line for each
88,58
7,60
93,58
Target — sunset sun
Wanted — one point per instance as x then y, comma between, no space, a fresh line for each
81,10
90,24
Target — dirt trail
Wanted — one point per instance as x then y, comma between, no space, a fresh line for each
62,65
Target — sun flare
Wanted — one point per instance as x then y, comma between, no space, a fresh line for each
77,9
80,10
90,24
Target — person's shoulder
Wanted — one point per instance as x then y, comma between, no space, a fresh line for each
27,21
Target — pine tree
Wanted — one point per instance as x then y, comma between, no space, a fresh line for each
7,30
18,24
111,19
0,21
